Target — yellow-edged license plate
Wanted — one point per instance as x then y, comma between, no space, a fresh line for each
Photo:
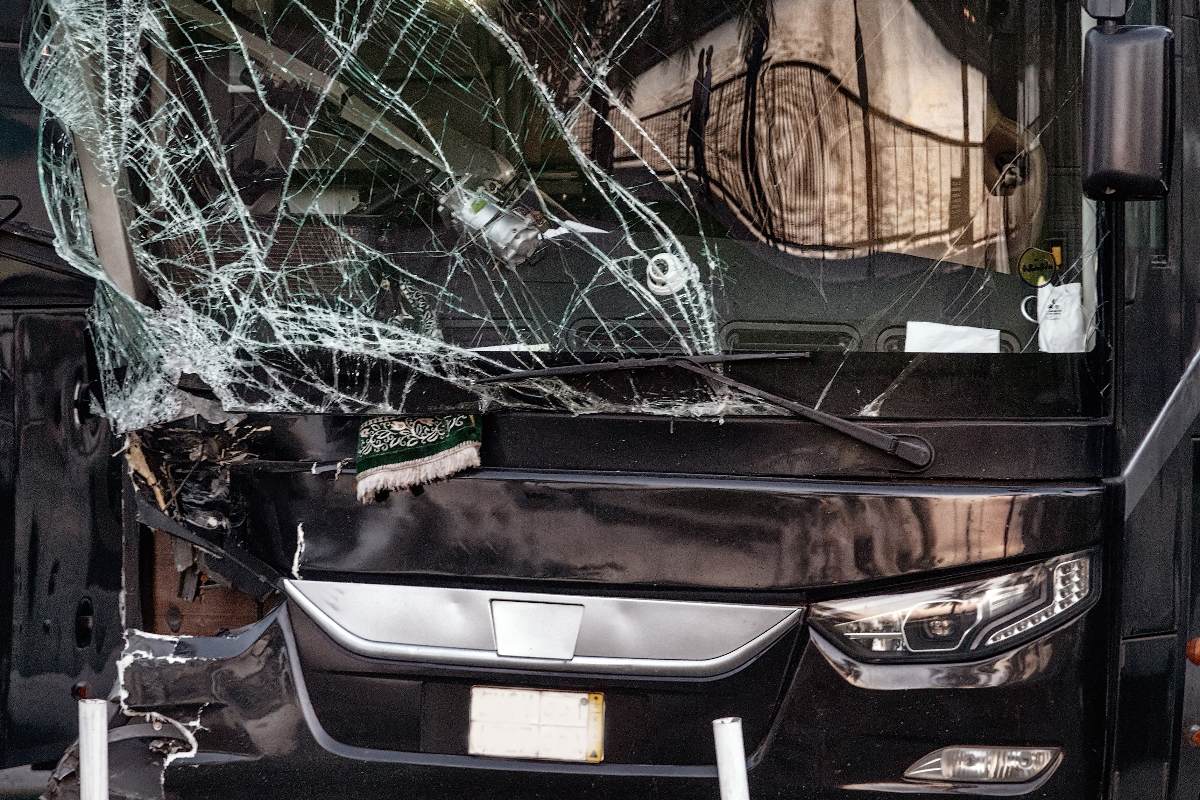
536,723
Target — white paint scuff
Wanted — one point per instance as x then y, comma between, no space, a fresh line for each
299,551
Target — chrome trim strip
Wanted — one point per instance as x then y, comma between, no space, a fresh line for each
618,635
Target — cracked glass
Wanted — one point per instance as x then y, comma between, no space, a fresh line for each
368,205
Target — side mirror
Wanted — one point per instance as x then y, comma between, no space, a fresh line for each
1127,114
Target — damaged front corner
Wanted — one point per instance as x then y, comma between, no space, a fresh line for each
201,691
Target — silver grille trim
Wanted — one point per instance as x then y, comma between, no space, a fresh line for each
616,635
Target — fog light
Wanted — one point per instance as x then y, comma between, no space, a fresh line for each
984,764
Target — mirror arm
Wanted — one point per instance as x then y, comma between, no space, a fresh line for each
1108,13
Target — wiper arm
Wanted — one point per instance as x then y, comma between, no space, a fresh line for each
912,449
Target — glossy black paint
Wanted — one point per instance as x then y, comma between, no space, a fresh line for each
621,530
967,450
1155,248
59,521
921,386
31,276
60,529
1127,75
1070,450
61,534
1145,749
259,735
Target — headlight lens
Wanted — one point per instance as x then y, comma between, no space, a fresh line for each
984,764
967,620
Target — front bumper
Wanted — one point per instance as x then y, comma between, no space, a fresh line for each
830,732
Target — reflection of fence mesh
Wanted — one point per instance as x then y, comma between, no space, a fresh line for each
819,191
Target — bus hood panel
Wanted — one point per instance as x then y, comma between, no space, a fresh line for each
628,530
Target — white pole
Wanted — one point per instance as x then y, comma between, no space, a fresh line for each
731,759
93,750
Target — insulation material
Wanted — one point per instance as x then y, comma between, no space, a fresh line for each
334,205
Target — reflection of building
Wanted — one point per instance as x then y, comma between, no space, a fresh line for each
868,134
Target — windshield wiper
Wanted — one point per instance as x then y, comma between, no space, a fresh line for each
907,447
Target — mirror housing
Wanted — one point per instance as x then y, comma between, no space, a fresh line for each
1127,114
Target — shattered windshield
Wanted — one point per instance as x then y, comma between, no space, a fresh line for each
326,205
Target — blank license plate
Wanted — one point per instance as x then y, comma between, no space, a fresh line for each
535,723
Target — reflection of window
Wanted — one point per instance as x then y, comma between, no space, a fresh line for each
813,157
951,165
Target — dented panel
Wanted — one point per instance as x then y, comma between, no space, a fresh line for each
699,533
254,706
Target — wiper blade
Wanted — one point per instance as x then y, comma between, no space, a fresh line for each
907,447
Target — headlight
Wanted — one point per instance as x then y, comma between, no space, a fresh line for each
985,764
964,621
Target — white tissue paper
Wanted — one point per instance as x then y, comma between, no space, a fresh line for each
933,337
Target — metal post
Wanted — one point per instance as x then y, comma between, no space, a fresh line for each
93,750
731,758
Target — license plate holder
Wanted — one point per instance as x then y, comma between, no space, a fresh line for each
541,724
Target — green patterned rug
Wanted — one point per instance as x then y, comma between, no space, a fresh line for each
401,452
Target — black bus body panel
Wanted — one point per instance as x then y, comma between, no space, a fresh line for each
825,737
60,525
619,530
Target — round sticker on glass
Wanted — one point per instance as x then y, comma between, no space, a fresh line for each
1037,267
